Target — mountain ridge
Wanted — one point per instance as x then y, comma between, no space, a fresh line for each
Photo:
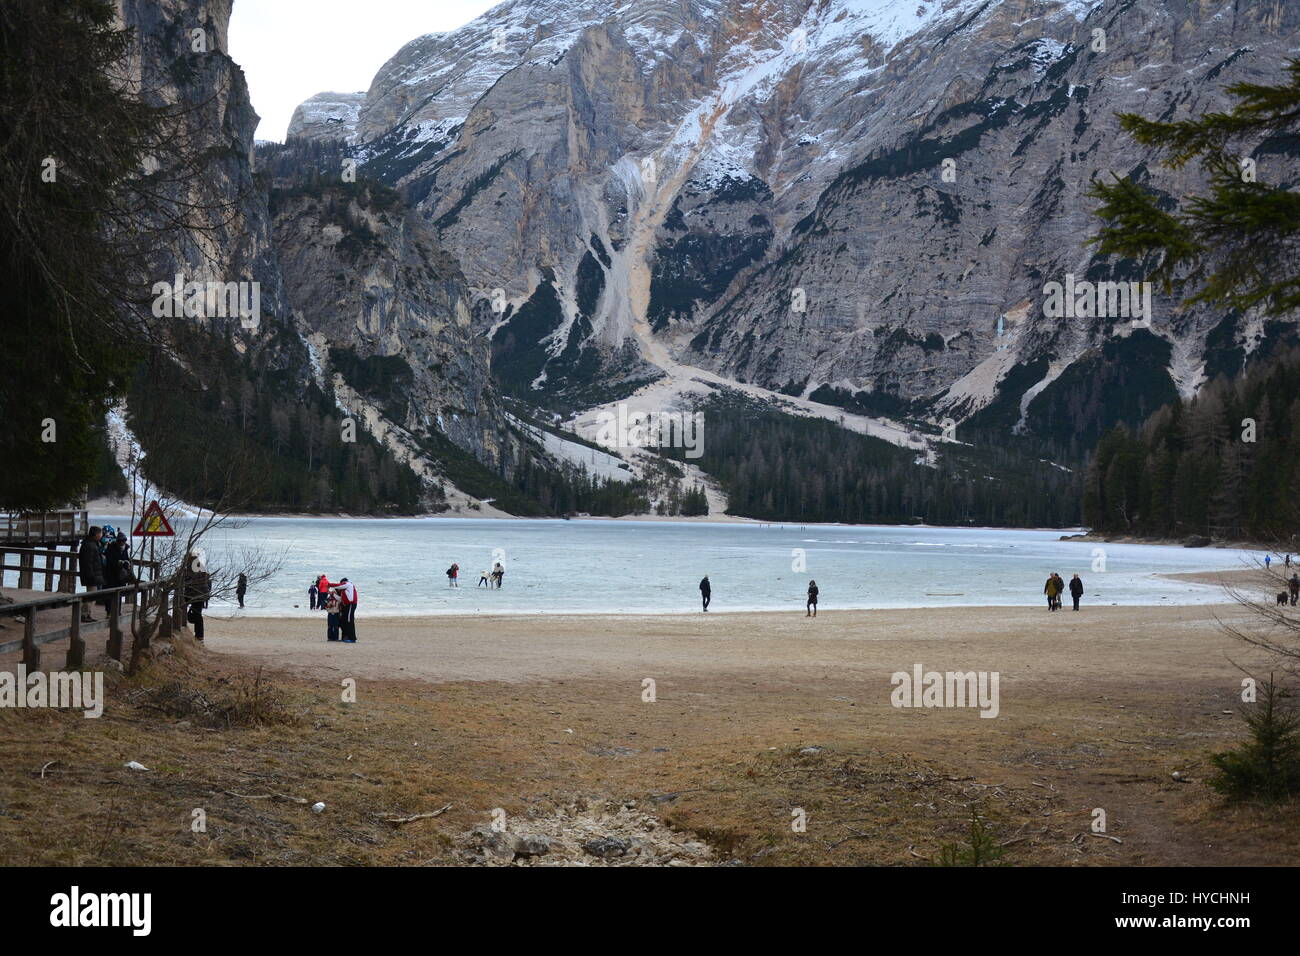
726,157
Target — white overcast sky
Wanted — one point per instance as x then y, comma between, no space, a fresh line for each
293,49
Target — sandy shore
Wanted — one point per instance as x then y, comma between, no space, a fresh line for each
1159,643
1116,708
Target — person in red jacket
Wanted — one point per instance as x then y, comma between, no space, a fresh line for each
347,592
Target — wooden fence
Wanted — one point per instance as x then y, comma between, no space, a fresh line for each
126,602
57,564
43,527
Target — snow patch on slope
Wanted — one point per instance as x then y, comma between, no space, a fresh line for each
600,464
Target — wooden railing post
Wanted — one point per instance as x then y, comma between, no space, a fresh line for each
49,571
140,642
31,653
25,571
114,632
164,618
77,645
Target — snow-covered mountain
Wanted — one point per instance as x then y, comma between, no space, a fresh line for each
855,203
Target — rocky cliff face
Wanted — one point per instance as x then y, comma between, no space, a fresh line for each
361,311
382,304
327,116
182,62
857,202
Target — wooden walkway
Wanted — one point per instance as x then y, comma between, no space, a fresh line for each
52,623
41,617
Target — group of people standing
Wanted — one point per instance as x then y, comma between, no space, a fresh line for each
339,602
487,579
104,561
1056,586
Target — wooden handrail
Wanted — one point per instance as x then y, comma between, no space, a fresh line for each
67,571
151,565
9,610
30,642
64,524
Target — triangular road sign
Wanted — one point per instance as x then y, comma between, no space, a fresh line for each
153,523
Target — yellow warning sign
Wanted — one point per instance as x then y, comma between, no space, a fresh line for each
154,522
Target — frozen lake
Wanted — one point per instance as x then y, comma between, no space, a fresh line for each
590,566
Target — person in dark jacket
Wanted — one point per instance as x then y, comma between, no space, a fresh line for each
114,555
812,599
90,565
332,616
241,588
1076,590
196,588
706,591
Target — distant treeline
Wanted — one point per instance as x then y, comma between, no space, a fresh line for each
780,467
1224,464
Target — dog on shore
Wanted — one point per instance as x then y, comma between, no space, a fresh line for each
1282,597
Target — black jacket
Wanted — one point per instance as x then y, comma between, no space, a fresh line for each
195,587
704,586
1076,586
90,564
113,557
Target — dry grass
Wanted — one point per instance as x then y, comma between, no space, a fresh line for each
716,759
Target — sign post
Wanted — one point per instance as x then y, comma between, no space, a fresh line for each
153,524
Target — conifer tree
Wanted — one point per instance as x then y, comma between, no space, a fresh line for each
1237,244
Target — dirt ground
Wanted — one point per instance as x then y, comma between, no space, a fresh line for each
758,721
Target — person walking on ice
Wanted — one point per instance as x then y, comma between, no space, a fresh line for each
452,573
706,591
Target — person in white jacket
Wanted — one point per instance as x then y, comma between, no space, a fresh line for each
347,592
